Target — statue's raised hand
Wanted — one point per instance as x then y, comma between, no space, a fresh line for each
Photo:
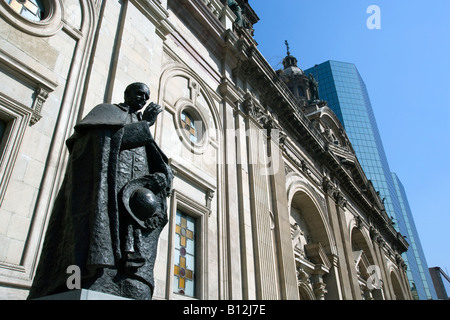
151,113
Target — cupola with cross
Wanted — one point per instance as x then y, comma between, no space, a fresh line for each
302,86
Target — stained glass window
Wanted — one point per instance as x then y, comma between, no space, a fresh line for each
184,268
30,9
189,124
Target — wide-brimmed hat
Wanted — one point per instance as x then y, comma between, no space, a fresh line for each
140,202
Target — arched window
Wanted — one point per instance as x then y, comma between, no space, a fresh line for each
31,9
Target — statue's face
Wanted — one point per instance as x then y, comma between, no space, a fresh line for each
137,96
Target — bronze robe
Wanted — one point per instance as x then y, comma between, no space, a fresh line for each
88,226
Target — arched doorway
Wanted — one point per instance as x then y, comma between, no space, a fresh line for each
398,292
311,244
367,271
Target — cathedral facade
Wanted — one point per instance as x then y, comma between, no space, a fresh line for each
269,200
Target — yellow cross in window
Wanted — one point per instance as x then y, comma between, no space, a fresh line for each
184,232
183,273
180,270
188,125
18,5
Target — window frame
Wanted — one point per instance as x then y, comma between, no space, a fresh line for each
3,132
49,26
194,255
200,213
17,118
39,5
203,139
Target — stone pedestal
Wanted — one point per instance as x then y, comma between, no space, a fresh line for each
82,294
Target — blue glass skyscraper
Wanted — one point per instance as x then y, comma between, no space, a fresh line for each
415,257
341,85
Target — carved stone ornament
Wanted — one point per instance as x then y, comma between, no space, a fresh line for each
328,186
209,196
303,276
319,290
340,199
296,234
358,222
41,97
252,109
282,139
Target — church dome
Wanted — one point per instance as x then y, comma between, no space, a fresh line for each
293,71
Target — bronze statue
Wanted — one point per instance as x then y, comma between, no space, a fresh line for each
314,88
237,10
112,204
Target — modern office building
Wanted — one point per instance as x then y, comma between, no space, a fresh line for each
415,256
441,282
341,85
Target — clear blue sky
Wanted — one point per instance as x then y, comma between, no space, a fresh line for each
406,68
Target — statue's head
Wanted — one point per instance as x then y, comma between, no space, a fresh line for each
136,95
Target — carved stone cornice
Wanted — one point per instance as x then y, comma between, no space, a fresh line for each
42,81
230,92
215,7
154,11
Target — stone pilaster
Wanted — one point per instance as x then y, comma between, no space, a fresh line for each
286,265
266,280
376,239
245,212
233,276
343,265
